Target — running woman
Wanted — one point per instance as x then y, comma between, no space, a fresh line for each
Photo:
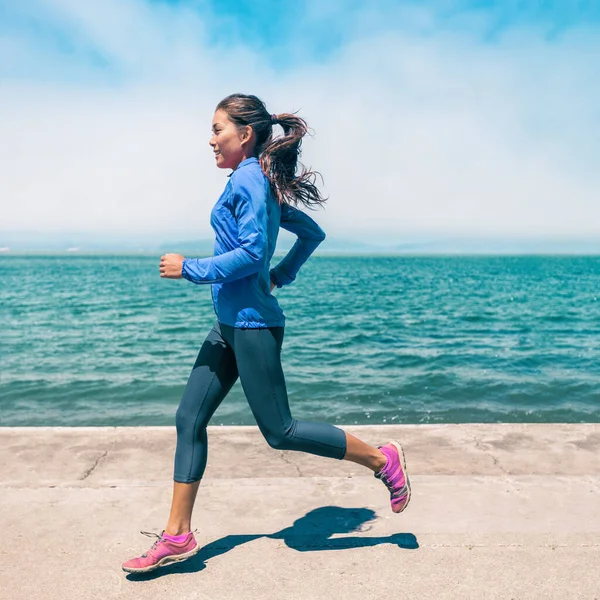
262,195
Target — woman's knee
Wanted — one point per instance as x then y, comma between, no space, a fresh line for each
280,442
281,439
179,418
183,423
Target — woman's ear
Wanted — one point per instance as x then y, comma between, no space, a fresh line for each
246,134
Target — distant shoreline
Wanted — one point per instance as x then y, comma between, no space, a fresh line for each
317,254
348,243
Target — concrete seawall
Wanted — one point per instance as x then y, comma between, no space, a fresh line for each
498,511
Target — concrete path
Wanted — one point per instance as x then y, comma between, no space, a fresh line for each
498,511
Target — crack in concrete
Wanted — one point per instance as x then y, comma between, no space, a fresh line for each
480,447
509,478
287,461
91,469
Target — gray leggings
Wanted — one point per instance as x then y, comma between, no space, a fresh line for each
255,356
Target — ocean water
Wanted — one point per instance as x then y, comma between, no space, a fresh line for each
103,340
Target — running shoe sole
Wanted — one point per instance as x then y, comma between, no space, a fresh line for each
400,451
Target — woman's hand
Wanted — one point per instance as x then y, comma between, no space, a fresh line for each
171,265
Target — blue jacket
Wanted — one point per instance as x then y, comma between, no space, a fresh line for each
246,221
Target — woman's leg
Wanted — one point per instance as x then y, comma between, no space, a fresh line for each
258,355
213,375
182,505
363,454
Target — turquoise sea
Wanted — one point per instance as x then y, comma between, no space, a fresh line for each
103,340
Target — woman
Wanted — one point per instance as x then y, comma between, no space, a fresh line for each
260,196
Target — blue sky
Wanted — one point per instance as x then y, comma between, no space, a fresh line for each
461,118
286,34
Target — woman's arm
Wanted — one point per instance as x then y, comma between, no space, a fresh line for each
249,203
310,235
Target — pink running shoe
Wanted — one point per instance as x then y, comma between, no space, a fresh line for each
163,552
394,476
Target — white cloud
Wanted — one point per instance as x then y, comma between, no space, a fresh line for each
437,133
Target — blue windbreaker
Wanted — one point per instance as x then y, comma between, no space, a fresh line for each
246,221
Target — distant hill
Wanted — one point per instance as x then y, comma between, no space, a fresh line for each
31,242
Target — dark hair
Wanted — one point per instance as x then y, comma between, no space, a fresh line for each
278,156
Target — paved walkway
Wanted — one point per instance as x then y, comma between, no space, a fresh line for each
498,511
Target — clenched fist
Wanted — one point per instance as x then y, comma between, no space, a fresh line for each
171,265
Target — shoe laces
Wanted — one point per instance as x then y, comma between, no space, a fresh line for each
394,493
159,539
385,478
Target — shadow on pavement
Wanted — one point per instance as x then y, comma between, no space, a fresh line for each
311,532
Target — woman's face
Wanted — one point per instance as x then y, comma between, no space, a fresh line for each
229,143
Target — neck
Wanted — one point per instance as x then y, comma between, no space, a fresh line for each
242,159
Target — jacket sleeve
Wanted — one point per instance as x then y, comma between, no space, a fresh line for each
310,235
250,212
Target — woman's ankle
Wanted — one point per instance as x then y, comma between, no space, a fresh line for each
379,461
177,529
